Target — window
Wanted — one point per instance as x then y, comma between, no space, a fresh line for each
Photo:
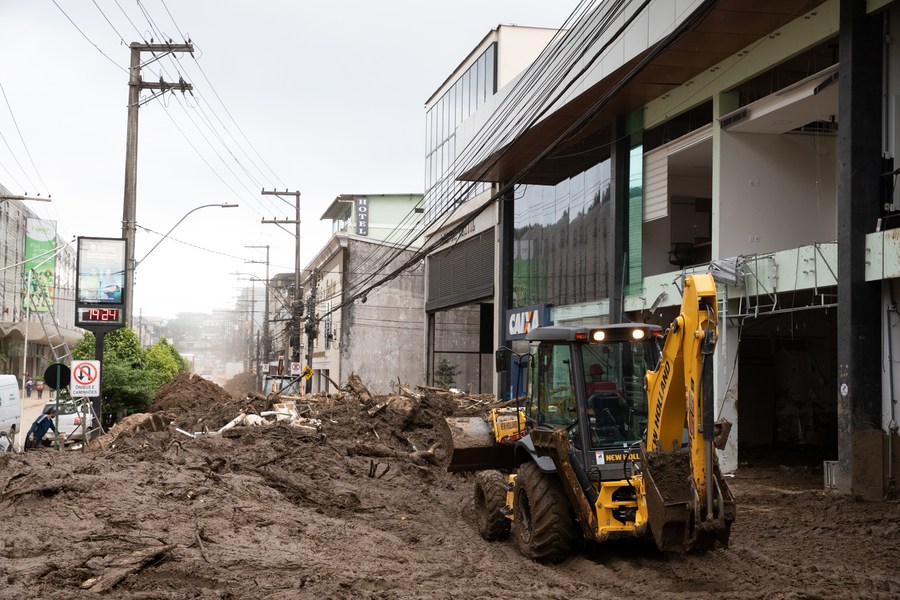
616,401
556,397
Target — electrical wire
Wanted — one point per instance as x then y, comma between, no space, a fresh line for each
598,105
22,139
91,42
512,101
204,249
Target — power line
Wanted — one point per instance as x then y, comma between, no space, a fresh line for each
22,138
91,42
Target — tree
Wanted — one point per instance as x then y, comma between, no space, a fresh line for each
446,373
163,362
131,375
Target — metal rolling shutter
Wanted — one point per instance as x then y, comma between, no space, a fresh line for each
461,274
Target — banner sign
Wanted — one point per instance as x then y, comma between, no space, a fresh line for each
40,264
362,216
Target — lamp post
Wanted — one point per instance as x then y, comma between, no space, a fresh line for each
129,281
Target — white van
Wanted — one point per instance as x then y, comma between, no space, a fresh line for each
10,406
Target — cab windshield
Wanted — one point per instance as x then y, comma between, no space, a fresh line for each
614,389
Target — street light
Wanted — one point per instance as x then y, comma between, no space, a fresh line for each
196,208
129,281
5,197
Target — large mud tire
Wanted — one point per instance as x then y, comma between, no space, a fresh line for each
545,526
490,500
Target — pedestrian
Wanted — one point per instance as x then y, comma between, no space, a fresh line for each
28,385
40,388
40,427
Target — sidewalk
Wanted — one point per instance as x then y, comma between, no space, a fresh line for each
33,401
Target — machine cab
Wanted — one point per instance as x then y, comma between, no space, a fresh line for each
590,381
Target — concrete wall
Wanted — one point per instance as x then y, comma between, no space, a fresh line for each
775,192
382,339
390,219
518,48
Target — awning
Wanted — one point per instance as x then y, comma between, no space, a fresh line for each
586,120
35,331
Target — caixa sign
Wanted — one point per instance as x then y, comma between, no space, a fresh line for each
519,321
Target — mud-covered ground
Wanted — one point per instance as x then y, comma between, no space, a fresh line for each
358,510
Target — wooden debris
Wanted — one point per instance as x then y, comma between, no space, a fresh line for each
382,451
356,386
198,533
428,388
47,489
336,385
377,408
408,392
117,568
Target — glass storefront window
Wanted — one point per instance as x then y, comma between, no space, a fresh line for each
562,246
442,119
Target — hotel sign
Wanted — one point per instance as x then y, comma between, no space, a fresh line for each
362,215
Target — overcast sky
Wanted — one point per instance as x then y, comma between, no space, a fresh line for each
322,97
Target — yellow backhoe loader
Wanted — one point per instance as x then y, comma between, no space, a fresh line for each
615,439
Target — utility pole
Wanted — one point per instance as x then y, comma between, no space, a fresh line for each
312,325
292,353
266,340
252,319
135,85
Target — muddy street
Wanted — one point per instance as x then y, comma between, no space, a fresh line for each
357,505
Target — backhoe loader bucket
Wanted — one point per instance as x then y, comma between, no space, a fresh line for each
676,516
471,446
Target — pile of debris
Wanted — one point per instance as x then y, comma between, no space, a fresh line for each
406,424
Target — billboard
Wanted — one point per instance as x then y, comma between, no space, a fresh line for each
100,286
40,264
101,270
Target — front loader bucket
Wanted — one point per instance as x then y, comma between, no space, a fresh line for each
673,509
471,446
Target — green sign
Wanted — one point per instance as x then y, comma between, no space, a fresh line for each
40,264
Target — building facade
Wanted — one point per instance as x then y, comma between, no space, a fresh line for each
29,331
752,140
462,233
377,334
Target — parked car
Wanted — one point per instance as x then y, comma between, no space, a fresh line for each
10,407
69,413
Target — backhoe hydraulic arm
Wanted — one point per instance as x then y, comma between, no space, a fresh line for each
689,504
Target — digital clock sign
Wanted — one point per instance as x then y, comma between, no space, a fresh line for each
100,296
100,316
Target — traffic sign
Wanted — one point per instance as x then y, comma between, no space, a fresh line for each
307,372
57,376
296,368
86,378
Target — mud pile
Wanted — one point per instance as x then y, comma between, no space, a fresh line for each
357,505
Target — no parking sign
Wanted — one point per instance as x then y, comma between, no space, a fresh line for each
86,378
